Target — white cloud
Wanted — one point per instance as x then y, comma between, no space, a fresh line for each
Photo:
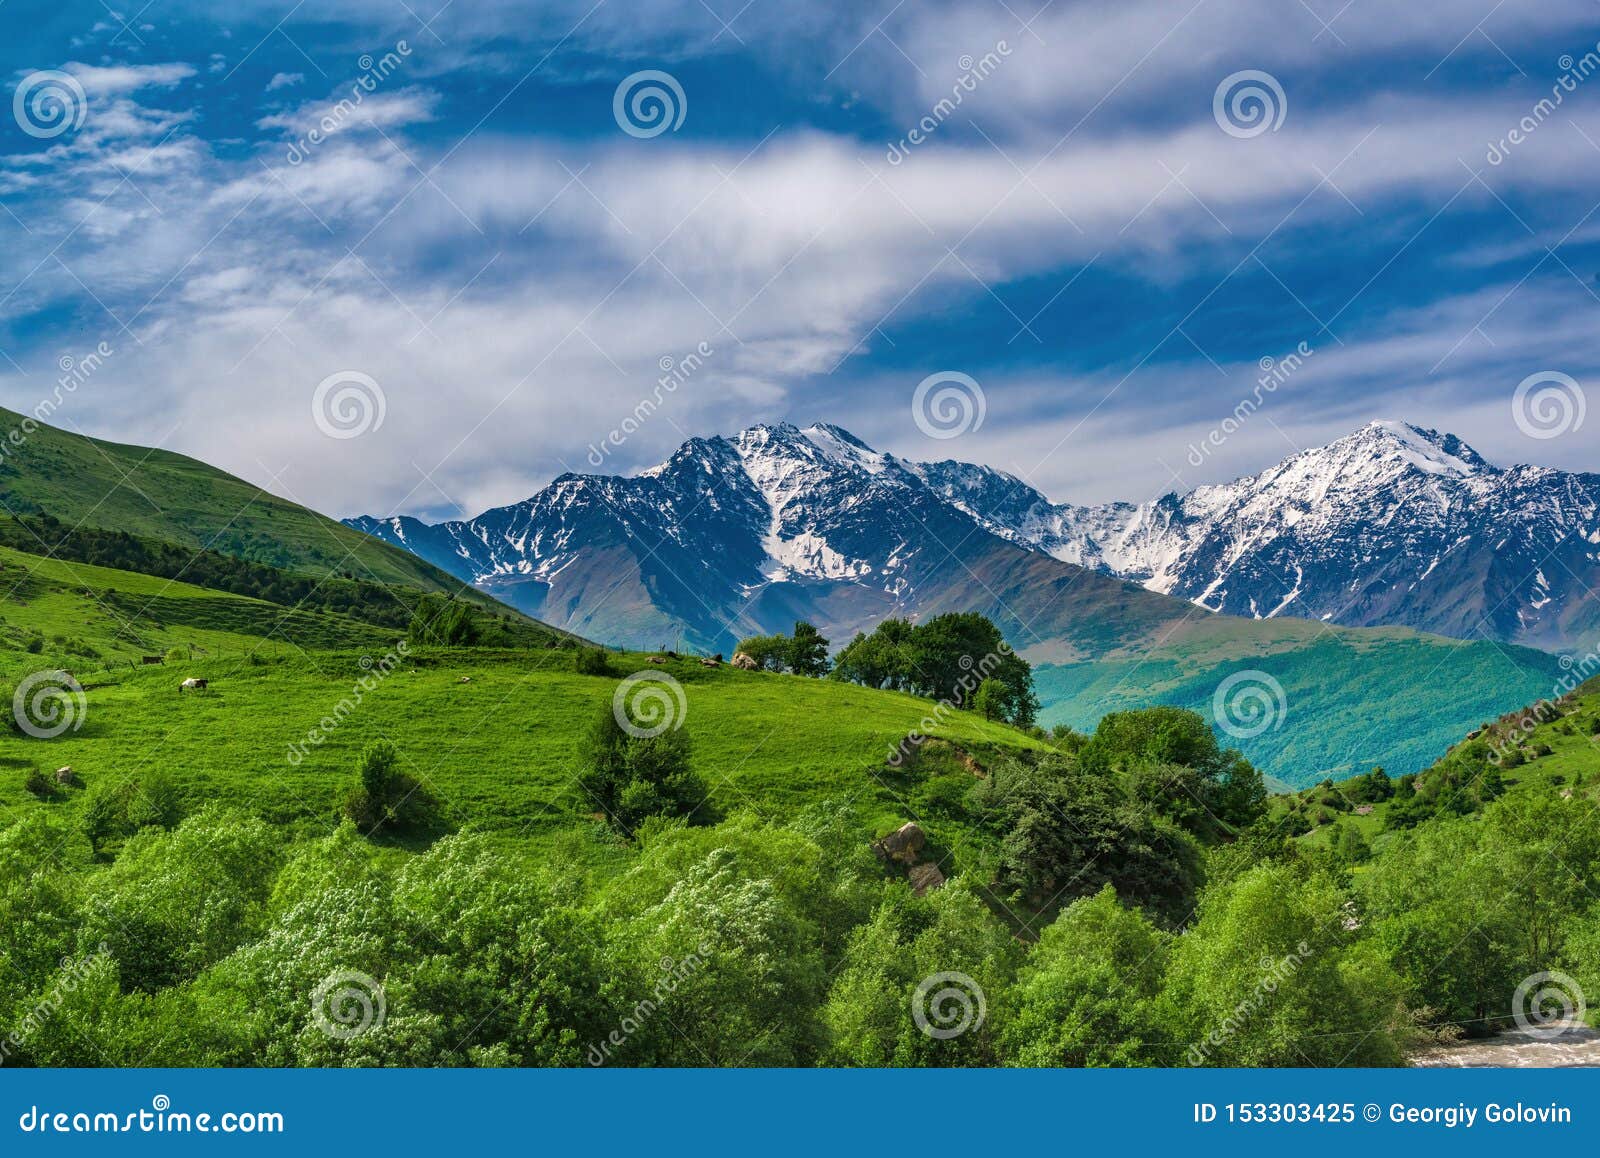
119,80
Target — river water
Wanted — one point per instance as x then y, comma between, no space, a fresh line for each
1570,1045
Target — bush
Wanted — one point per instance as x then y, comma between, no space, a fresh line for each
591,661
39,785
386,798
117,811
630,776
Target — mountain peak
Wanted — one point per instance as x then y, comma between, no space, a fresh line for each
1407,445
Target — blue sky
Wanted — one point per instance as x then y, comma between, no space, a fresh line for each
483,243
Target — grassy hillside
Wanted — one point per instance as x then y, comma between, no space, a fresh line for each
1552,746
1352,698
181,500
87,617
493,734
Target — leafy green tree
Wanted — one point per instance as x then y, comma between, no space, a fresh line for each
591,661
878,660
510,963
1348,844
176,902
1272,974
947,659
630,776
808,651
920,983
991,698
1221,791
1087,994
386,797
721,971
1065,833
771,652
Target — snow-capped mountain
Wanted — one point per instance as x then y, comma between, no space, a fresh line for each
1393,525
723,536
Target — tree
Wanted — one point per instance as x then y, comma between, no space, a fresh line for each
448,623
630,775
945,659
921,983
591,661
1348,844
722,971
771,652
1272,974
386,797
808,651
1066,833
990,699
1220,785
1086,996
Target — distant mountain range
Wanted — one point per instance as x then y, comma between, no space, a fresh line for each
734,536
1393,525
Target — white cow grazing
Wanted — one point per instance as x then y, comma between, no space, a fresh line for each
192,685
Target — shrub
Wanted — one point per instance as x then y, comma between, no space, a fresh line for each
630,777
117,811
990,700
385,797
591,661
39,785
